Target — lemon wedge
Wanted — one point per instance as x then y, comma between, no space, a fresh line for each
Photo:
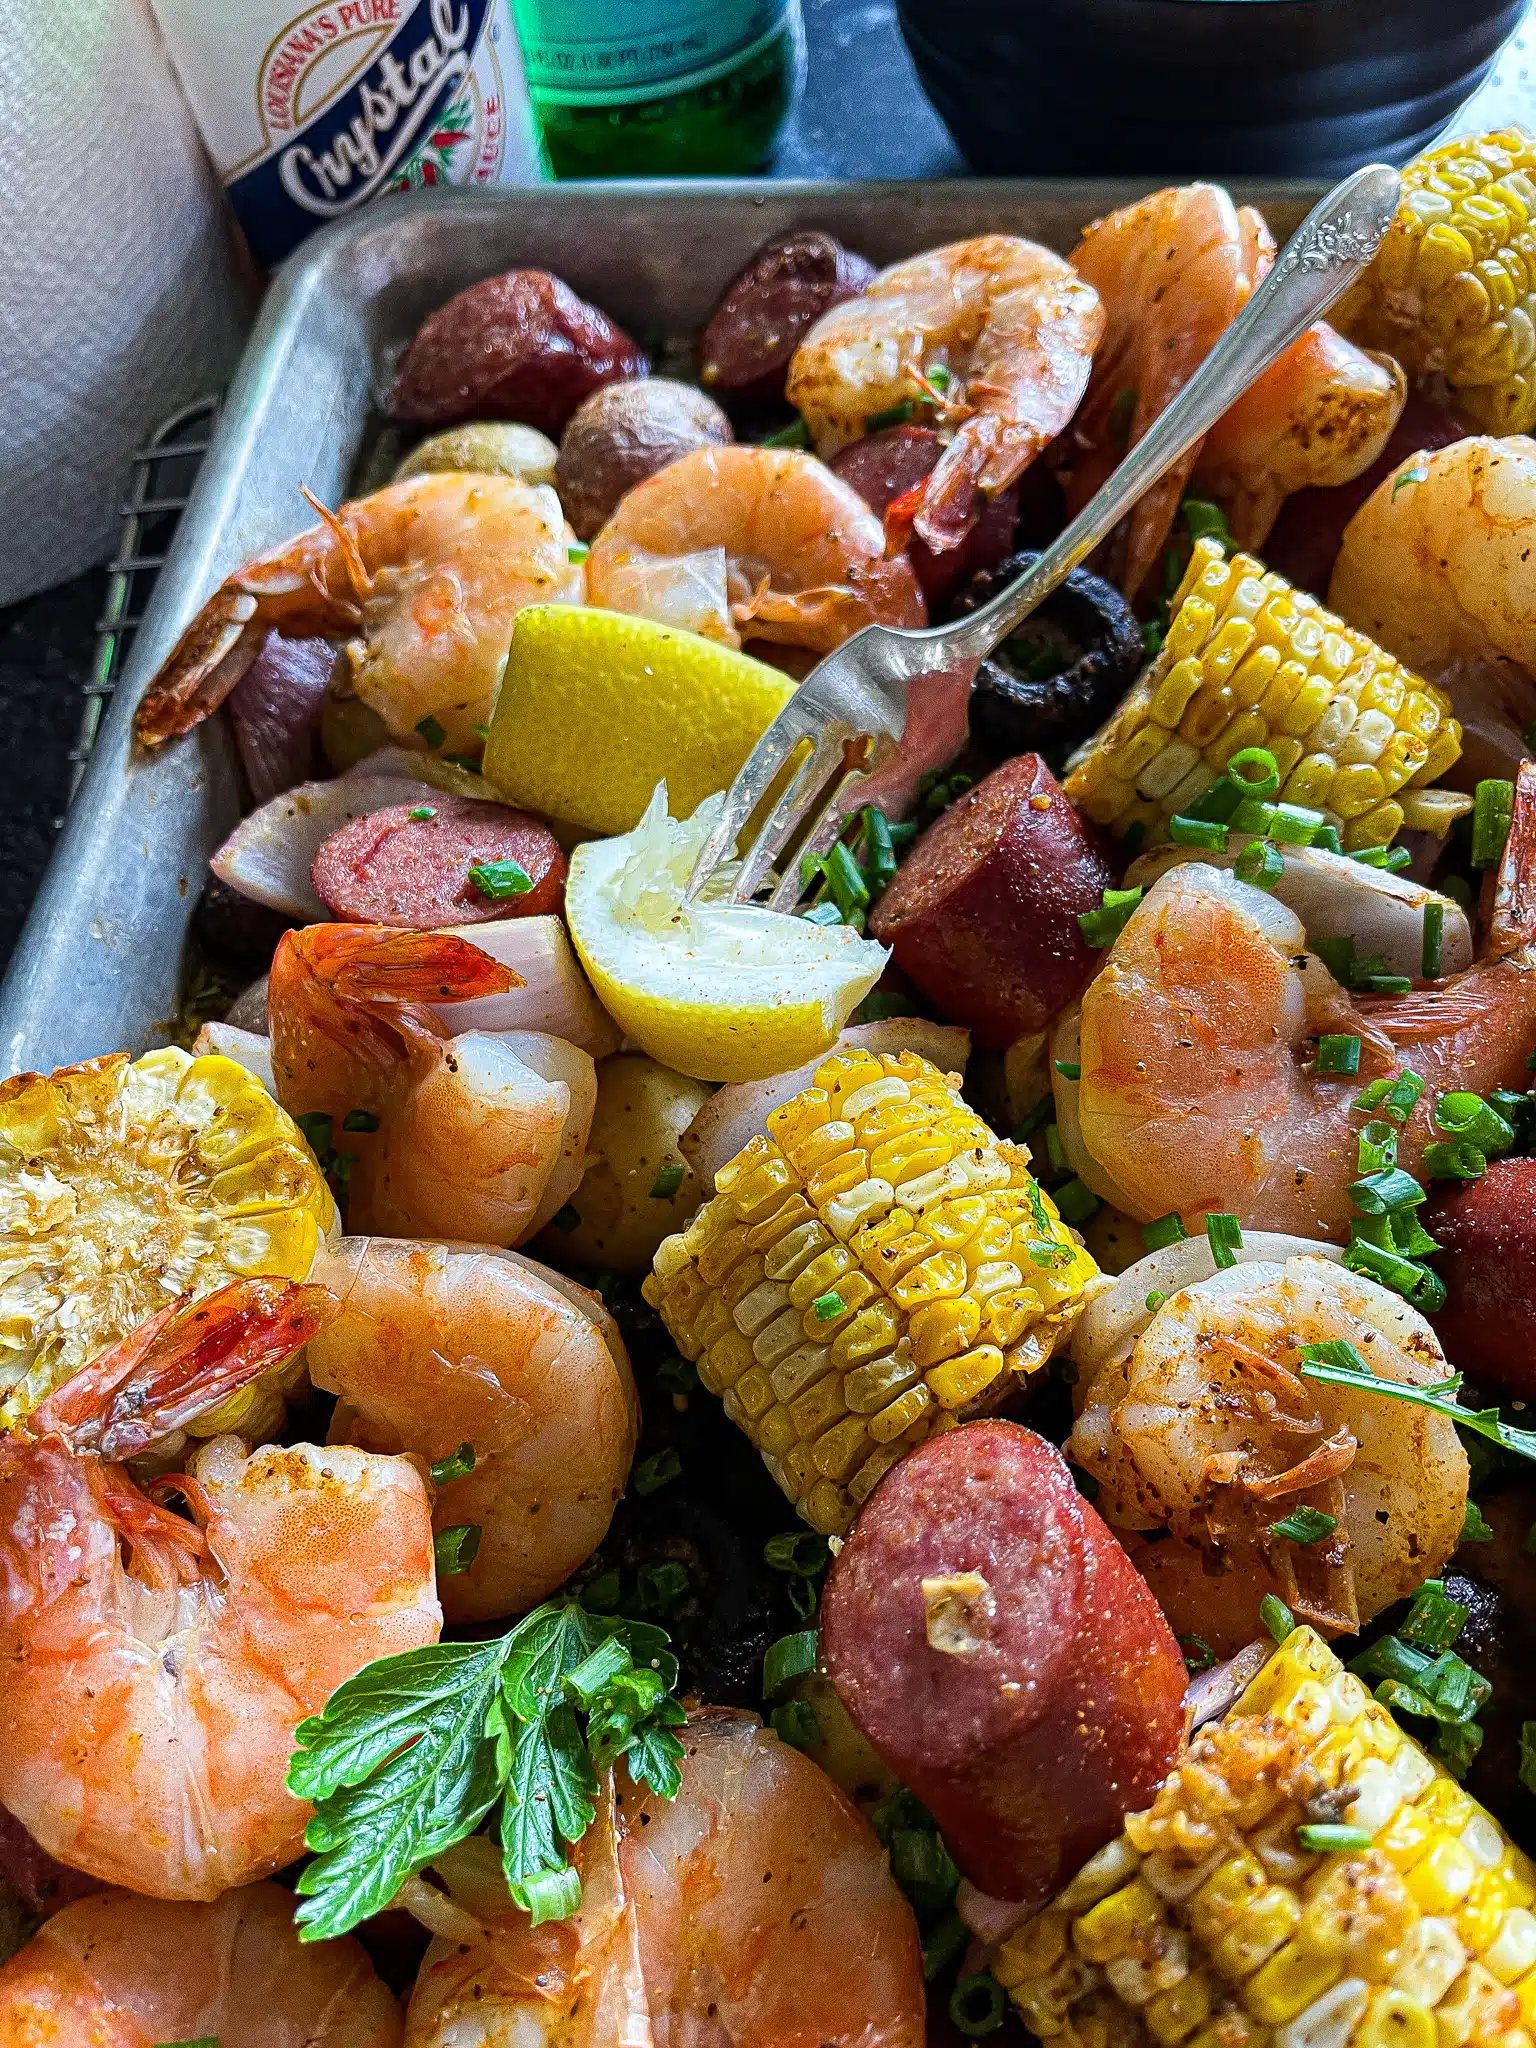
720,991
595,707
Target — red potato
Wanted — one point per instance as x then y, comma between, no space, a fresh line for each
887,464
1488,1229
521,346
989,1636
401,867
982,915
1310,529
768,307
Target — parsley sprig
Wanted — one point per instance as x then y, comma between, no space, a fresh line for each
412,1754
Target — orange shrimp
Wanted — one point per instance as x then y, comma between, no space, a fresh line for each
478,1137
157,1667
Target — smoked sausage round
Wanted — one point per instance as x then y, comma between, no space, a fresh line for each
446,860
1488,1229
892,461
767,308
989,1636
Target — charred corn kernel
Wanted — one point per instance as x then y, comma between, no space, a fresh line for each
1426,1939
907,1273
125,1183
1248,661
1452,292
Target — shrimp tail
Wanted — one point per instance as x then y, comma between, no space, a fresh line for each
351,557
202,668
374,963
180,1363
1512,917
951,495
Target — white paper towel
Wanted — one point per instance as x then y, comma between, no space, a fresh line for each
119,297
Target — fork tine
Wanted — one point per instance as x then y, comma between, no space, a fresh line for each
756,776
797,803
833,816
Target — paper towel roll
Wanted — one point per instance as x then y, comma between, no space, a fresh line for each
119,297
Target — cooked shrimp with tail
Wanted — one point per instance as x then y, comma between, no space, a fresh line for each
157,1666
997,331
757,1909
435,1346
422,580
479,1137
1196,1043
1195,1417
742,543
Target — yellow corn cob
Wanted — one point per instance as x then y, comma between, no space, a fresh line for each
1207,1923
1251,662
876,1267
124,1183
1452,292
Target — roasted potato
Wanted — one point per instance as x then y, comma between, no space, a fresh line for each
492,447
623,1204
624,433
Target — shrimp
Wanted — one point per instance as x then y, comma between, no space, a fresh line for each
755,1909
803,556
1195,1417
127,1972
1011,326
1198,1089
479,1137
422,578
1173,272
439,1345
1437,566
157,1667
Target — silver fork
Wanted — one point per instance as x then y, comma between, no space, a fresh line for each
859,694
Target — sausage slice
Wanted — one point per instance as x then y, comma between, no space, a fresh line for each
442,861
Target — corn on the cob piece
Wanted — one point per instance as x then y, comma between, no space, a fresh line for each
123,1184
1209,1922
875,1267
1251,662
1452,291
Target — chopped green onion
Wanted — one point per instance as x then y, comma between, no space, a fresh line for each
1417,475
1457,1748
602,1594
657,1471
845,879
1254,814
1393,858
797,1550
1204,832
500,879
1338,1052
577,551
1155,1301
893,416
1461,1114
1493,809
549,1894
457,1465
795,1723
1377,1147
567,1218
1435,1620
1474,1529
1414,1282
1207,522
1069,1070
1384,1193
1255,771
828,1305
1394,1098
1328,841
879,846
359,1120
455,1549
1075,1202
1434,939
823,913
668,1181
795,435
921,1864
1295,824
944,1945
803,1597
1101,927
1218,802
431,731
659,1587
1384,984
1198,1654
978,2005
1153,634
1276,1616
1261,864
1456,1161
1048,1254
1329,1837
1055,1151
1163,1230
787,1661
1304,1525
1224,1236
1122,415
1043,1112
678,1377
419,813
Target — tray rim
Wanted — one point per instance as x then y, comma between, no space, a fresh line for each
196,776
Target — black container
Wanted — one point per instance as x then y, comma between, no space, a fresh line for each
1305,88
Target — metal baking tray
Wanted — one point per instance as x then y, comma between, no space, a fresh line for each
98,966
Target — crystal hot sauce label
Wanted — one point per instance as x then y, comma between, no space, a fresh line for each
309,114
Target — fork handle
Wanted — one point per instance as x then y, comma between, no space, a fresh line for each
1327,252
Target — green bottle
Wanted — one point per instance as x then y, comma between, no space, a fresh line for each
660,88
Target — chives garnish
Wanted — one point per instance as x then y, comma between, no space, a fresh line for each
431,731
1461,1114
796,1723
1304,1525
1276,1616
419,813
577,551
653,1473
1044,1112
1055,1151
1377,1148
1254,814
1332,1837
1473,1527
1434,937
1384,1193
1205,832
457,1465
1384,984
1075,1202
1328,840
1155,1301
668,1181
824,913
1163,1230
893,416
1454,1160
1225,1237
1219,801
795,435
798,1550
1255,770
937,375
1101,927
1493,808
849,889
1393,858
1260,863
879,846
1207,522
500,879
978,2005
1414,1282
1295,824
1434,1621
1069,1070
789,1659
456,1549
1394,1098
826,1306
1338,1052
359,1120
